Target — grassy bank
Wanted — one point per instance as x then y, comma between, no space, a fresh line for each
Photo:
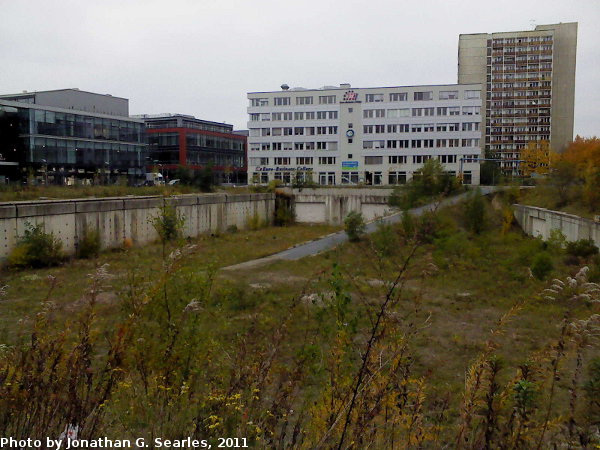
425,334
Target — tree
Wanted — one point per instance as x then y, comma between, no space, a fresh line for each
537,158
584,155
474,210
354,224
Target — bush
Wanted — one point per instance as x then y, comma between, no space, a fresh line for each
354,224
582,248
542,266
284,210
168,224
89,244
474,212
384,240
36,249
254,222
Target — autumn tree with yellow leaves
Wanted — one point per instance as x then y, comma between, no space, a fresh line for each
537,158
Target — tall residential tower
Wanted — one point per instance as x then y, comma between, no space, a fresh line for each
528,83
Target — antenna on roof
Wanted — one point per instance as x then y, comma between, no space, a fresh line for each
532,22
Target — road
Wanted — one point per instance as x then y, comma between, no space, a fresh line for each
333,240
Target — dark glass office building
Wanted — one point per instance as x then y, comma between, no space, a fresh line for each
67,135
178,140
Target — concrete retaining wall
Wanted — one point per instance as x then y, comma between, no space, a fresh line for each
332,205
119,218
539,222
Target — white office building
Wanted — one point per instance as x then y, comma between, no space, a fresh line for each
376,136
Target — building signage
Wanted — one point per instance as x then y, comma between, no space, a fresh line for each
350,96
283,169
349,165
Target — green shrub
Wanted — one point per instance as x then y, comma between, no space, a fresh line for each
232,229
474,212
592,390
36,249
384,240
557,240
254,222
407,225
89,244
168,224
542,266
284,210
354,224
582,248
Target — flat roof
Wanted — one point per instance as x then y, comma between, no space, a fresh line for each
523,31
158,117
25,94
67,111
332,88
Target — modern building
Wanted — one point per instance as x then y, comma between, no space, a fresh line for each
67,134
528,82
178,140
376,136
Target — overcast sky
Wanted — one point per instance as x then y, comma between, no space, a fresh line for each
201,57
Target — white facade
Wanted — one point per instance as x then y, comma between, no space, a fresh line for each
376,136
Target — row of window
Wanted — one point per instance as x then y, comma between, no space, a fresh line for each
319,145
389,143
292,131
517,76
526,48
522,84
422,143
419,127
369,160
522,39
369,98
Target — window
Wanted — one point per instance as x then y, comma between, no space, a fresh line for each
397,159
428,95
299,146
282,160
397,178
416,112
420,159
298,131
442,111
265,132
259,102
469,95
470,142
370,98
309,145
379,129
448,95
304,100
298,116
447,159
470,126
373,144
326,160
310,115
416,143
304,160
276,116
276,145
373,160
287,116
441,127
265,146
254,117
282,101
471,110
454,111
287,146
428,111
332,114
428,127
321,115
327,99
398,97
416,128
367,129
287,131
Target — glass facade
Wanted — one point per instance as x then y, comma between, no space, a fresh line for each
76,142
